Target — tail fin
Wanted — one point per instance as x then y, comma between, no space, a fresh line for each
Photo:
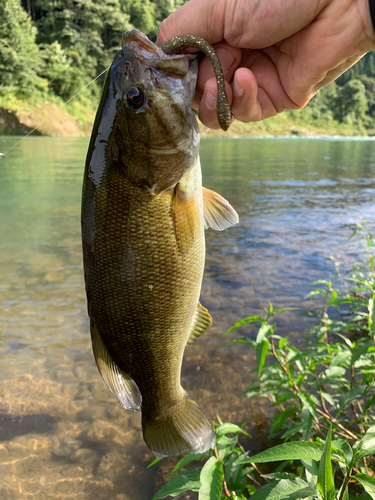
186,428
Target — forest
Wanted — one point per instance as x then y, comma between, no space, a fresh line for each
56,47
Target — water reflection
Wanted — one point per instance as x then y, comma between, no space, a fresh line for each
62,434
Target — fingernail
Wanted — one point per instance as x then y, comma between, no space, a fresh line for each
238,90
226,58
210,101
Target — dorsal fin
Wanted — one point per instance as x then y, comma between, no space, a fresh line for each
201,322
118,382
217,211
186,218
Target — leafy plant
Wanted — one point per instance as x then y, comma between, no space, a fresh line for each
331,380
229,472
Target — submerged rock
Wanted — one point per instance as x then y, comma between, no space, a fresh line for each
26,396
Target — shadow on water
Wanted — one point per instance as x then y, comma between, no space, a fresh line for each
62,434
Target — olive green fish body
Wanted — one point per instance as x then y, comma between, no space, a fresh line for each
144,292
144,212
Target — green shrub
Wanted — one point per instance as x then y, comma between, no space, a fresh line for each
323,393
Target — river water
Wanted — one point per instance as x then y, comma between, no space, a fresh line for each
62,434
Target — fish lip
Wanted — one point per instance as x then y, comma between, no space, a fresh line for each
137,36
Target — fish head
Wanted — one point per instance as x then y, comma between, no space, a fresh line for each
157,133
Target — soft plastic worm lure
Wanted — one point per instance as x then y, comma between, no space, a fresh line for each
190,41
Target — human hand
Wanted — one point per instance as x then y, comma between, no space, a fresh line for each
276,55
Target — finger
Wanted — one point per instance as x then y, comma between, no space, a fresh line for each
196,17
246,106
229,57
272,97
241,23
207,109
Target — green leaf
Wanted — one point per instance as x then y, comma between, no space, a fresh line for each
293,429
282,309
287,451
361,349
311,466
186,481
340,358
350,396
251,319
307,401
328,397
184,461
325,475
333,372
368,483
228,428
281,417
233,496
211,480
324,282
333,298
306,420
261,353
263,332
364,496
279,475
342,451
285,489
226,446
369,403
154,462
285,396
365,447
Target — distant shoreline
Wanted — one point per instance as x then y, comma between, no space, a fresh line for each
51,118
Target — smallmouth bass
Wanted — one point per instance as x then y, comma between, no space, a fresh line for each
144,212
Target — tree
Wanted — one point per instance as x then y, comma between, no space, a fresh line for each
20,58
369,83
85,34
350,104
142,15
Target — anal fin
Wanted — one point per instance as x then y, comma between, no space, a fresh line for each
218,212
118,382
201,322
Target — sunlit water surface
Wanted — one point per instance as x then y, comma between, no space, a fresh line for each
62,434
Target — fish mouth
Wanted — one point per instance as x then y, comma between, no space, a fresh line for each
176,65
138,37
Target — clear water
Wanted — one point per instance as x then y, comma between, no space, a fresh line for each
62,434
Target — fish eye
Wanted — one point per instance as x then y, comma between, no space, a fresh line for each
135,98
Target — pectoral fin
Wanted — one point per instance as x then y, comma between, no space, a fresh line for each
218,213
117,381
186,218
201,322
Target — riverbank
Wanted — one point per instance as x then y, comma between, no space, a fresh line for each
48,116
51,117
